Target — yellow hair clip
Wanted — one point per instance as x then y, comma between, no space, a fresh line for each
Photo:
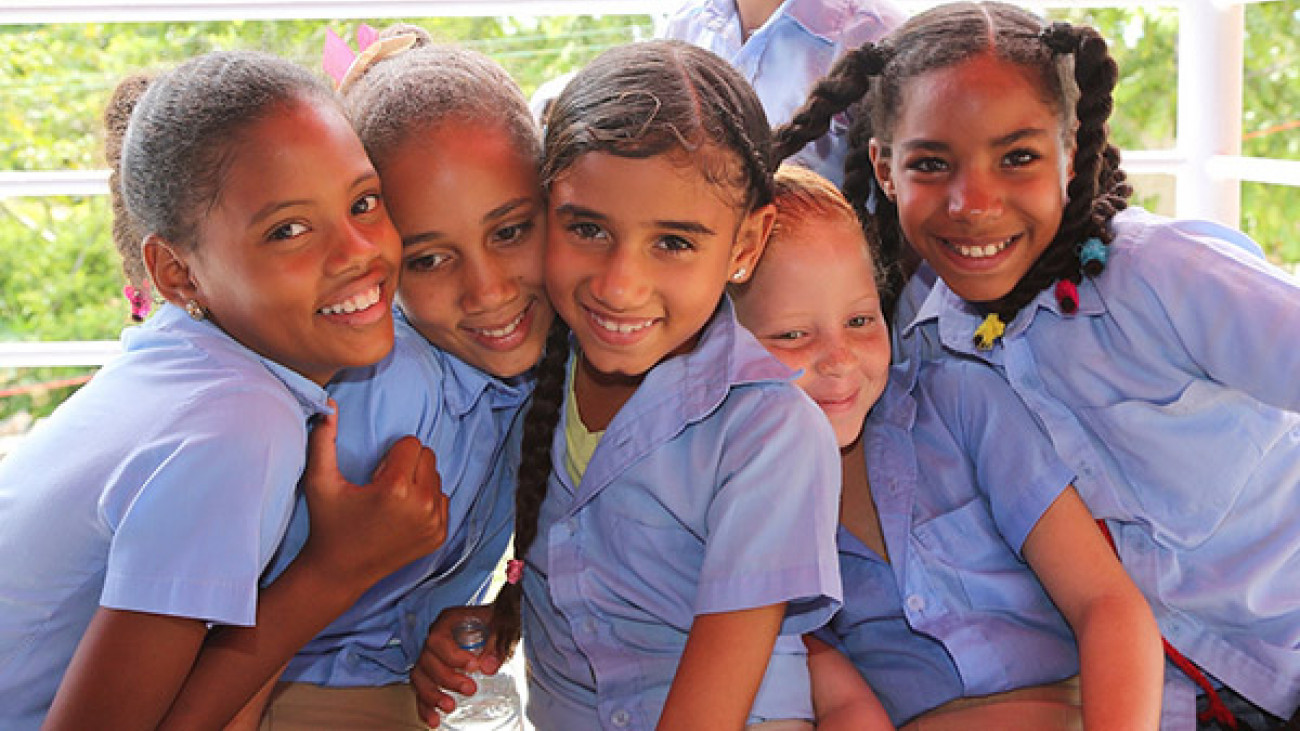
989,332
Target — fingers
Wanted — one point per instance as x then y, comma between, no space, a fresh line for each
399,465
322,455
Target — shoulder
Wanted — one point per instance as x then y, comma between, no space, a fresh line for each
849,23
1142,237
693,16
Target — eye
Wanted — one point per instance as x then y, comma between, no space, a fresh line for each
1020,158
790,335
586,230
927,165
286,231
858,321
366,204
512,233
674,244
427,262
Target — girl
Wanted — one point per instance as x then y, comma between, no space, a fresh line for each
1121,331
945,531
688,520
453,140
264,230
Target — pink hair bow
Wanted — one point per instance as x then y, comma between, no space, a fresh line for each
344,66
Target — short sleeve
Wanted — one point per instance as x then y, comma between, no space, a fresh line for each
772,522
194,538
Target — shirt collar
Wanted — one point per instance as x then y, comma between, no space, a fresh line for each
957,319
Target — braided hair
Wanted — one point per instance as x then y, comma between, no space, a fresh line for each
1076,73
634,101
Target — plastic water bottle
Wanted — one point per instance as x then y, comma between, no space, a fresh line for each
495,706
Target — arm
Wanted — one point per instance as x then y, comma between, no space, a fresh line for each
443,664
842,700
721,669
1120,657
358,536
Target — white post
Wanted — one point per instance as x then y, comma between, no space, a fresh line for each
1210,46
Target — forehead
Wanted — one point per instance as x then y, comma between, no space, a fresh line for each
980,89
643,189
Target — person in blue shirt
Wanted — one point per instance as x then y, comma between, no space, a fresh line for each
978,592
1155,353
782,47
456,147
676,506
139,517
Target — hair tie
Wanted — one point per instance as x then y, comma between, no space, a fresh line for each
989,332
1092,256
345,67
514,571
1060,38
870,60
1067,295
140,302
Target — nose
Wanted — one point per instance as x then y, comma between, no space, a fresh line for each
837,358
974,196
487,286
622,283
358,246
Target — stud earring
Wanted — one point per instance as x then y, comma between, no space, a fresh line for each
195,310
739,275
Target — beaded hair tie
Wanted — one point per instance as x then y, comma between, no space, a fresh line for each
989,332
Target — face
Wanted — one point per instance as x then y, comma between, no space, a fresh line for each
468,205
813,303
638,254
297,259
978,170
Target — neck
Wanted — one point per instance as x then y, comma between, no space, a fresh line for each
754,13
857,507
601,395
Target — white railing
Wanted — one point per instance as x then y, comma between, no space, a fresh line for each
1206,161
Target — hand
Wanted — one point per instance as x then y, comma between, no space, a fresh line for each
365,533
443,664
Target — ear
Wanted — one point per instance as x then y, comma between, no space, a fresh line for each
880,165
751,239
169,270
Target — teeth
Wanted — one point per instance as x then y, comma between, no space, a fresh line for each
356,303
615,327
981,252
509,328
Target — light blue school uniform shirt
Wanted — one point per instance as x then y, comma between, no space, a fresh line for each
1173,394
960,474
162,486
786,57
714,489
473,423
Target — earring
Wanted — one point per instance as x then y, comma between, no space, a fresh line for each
739,275
195,310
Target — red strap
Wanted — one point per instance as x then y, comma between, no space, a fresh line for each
1217,711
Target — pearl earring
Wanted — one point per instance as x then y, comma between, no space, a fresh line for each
195,310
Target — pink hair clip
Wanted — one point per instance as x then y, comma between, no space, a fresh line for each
514,571
140,302
345,67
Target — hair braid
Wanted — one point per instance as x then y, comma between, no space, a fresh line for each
846,83
1098,189
534,473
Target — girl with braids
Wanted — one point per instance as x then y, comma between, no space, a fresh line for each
1147,348
676,502
946,530
457,149
139,517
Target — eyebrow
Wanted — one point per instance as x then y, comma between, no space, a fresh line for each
500,211
274,207
691,227
1003,141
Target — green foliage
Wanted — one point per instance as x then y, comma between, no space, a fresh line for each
59,276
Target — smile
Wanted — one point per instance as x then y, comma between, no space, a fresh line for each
506,330
622,328
355,303
980,251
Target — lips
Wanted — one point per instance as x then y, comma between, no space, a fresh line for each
508,335
356,303
837,403
619,330
978,249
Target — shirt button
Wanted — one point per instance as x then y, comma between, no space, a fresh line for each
620,718
589,626
572,525
916,603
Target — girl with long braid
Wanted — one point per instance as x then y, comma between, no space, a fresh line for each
676,509
1147,348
